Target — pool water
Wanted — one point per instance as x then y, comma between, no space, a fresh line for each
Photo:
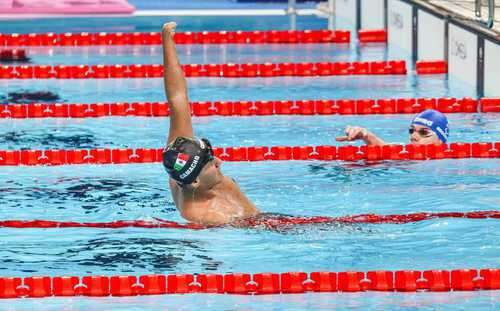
104,193
154,23
126,132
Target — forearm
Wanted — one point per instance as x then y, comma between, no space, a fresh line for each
174,80
373,140
175,88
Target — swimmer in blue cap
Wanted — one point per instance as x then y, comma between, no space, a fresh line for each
428,127
201,192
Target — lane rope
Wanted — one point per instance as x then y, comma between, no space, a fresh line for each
250,284
154,38
272,222
55,157
204,37
247,70
229,70
372,36
253,108
426,67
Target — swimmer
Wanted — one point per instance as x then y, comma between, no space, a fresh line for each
428,127
201,192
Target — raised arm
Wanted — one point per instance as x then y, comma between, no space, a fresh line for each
359,133
175,87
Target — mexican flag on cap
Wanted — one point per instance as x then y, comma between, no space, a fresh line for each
181,161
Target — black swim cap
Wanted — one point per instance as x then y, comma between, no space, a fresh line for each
185,158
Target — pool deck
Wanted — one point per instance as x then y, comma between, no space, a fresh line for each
464,10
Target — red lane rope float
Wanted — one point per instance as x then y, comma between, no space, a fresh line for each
249,284
424,67
372,36
261,153
248,70
254,108
274,222
154,38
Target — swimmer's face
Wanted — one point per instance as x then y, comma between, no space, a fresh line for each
423,135
211,173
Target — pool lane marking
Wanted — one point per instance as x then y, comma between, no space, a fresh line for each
69,39
225,70
238,108
437,280
350,153
271,222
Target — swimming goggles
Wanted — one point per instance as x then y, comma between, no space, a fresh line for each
423,132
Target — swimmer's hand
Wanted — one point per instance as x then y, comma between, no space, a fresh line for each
359,133
169,28
353,133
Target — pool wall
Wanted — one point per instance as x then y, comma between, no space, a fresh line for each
426,33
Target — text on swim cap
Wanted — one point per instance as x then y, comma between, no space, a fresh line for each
424,121
191,168
440,130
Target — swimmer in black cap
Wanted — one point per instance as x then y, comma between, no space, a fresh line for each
200,191
428,127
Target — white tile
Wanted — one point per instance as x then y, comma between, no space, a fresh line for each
462,55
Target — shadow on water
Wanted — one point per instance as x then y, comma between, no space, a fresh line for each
53,139
93,194
156,255
26,97
348,171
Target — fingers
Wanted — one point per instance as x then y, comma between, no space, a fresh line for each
353,133
169,27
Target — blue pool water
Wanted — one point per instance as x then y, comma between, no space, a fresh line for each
108,193
363,301
207,89
154,23
203,54
120,132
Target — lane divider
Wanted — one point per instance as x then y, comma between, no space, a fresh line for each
254,108
204,37
248,70
261,153
372,36
425,67
274,222
154,38
249,284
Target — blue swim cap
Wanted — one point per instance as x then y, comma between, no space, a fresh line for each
434,120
